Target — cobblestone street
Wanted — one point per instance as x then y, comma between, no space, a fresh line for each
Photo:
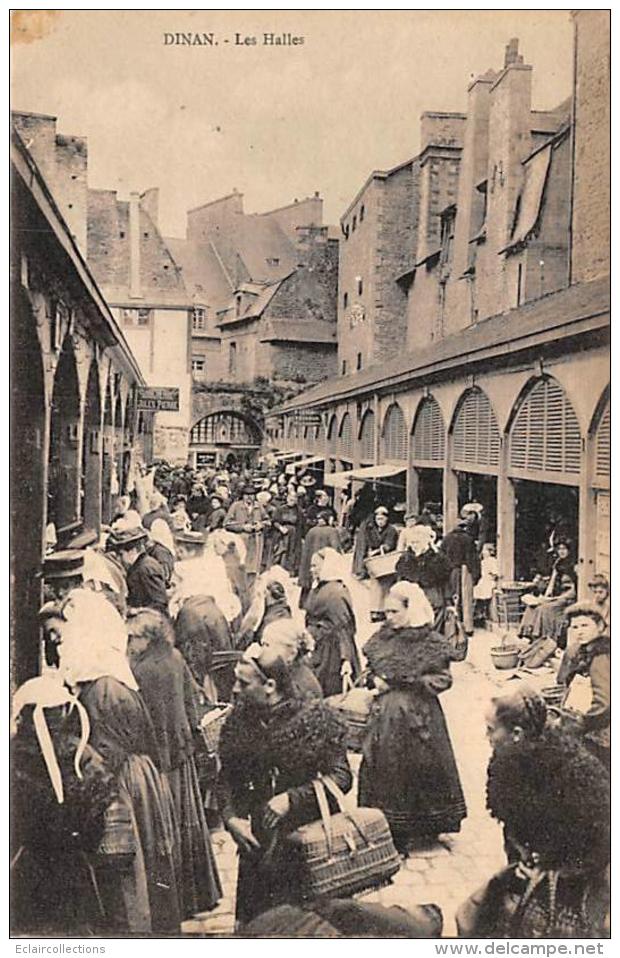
444,874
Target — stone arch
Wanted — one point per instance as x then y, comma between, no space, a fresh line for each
107,463
331,428
230,427
345,437
476,440
394,435
28,480
367,438
64,450
544,436
91,451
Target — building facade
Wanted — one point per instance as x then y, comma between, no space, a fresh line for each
503,393
75,430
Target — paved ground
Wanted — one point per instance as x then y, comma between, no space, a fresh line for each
447,873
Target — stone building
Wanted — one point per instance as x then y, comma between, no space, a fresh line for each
74,424
503,392
263,288
144,288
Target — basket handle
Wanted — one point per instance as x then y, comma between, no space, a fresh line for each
343,802
321,798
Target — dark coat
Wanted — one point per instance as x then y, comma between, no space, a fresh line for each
318,537
146,584
200,630
330,620
461,550
408,768
286,549
370,538
165,558
161,513
593,660
263,755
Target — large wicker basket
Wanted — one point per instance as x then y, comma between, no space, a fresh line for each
382,565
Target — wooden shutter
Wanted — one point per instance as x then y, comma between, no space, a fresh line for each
367,437
429,434
603,445
476,435
545,435
346,437
332,428
394,435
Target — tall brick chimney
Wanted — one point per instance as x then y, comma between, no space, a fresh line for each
135,289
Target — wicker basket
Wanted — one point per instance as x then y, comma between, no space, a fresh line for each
211,725
381,565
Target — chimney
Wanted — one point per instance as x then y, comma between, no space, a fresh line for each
135,290
512,56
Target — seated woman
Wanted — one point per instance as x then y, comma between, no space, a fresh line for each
589,654
544,615
558,822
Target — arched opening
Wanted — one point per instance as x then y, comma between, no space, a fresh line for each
28,487
427,451
227,436
600,436
63,491
117,465
107,457
367,439
91,452
394,435
476,446
544,465
331,440
345,442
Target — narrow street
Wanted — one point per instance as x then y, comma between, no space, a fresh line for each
443,874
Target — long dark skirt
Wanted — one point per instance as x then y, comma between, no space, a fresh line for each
413,779
201,889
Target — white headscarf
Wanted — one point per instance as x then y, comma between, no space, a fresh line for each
335,566
97,569
48,691
160,532
419,610
223,538
94,640
206,575
419,538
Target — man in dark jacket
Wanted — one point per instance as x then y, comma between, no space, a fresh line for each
460,548
272,748
146,580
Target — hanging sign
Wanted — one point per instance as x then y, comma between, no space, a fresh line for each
157,399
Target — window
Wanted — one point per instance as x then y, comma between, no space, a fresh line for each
199,319
344,367
360,285
238,301
362,212
273,261
519,284
354,224
345,300
198,364
136,317
359,361
346,231
232,359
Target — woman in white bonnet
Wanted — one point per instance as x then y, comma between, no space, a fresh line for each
408,767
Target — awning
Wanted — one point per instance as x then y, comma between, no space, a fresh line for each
281,456
311,461
368,474
536,169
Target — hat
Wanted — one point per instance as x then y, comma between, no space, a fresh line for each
66,564
190,538
85,538
263,497
121,539
308,481
248,490
382,511
599,579
471,507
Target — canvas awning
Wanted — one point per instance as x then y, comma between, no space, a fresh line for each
310,461
281,456
368,474
536,169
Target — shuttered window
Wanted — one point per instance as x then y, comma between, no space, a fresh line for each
289,429
367,438
394,435
429,433
331,432
476,435
603,445
345,443
545,435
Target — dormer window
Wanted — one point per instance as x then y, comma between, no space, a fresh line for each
199,319
238,304
273,261
354,224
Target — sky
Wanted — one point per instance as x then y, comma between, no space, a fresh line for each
274,122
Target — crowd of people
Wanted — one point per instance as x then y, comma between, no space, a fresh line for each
232,596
